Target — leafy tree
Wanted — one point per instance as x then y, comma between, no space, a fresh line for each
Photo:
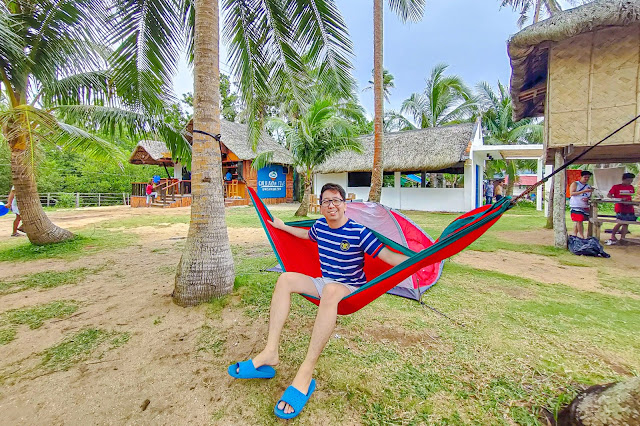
407,10
266,39
57,82
499,128
387,84
229,99
312,138
445,100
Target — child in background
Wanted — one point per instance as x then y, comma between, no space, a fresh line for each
623,191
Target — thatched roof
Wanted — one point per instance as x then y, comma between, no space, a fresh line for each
529,49
151,152
431,149
233,135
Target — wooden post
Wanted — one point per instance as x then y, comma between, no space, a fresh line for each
124,198
559,203
77,200
48,199
98,199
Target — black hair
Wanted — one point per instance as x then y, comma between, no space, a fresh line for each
333,187
628,176
585,173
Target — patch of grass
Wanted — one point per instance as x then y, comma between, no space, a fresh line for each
45,280
79,347
7,335
210,340
156,221
35,316
82,245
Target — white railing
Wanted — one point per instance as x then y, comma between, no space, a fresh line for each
81,199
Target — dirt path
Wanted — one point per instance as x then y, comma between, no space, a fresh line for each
161,362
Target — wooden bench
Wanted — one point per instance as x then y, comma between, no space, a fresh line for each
597,222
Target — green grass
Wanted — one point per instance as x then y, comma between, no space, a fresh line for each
85,243
80,347
34,317
45,280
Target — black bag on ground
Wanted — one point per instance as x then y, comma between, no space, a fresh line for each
586,247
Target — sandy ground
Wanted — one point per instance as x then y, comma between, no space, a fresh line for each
161,363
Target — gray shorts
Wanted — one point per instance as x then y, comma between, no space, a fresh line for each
321,282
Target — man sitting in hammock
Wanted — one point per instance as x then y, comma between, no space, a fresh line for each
342,244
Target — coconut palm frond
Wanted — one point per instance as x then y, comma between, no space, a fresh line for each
262,160
10,47
408,10
74,139
149,37
323,36
84,88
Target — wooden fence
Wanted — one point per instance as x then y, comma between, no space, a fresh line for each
81,199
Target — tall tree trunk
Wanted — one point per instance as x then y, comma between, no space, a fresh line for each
613,404
206,266
559,203
39,228
378,100
303,210
513,175
549,202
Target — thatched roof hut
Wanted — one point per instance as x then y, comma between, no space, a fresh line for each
233,135
580,69
430,149
529,49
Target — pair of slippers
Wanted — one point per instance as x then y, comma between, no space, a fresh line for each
292,396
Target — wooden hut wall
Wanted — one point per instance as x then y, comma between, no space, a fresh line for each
594,88
251,177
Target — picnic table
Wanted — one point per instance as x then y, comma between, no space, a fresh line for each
596,219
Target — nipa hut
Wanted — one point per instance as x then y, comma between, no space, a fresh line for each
420,156
580,69
273,183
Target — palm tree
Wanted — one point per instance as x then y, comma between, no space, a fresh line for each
445,100
266,39
497,121
407,10
323,130
387,84
524,7
54,70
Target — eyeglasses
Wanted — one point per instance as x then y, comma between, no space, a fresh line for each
336,202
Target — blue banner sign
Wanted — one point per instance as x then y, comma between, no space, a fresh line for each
272,182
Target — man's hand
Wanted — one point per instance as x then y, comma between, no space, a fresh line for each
277,223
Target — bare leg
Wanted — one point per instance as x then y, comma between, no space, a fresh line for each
623,231
16,222
614,231
323,327
579,230
288,283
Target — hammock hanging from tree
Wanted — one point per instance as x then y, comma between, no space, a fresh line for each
298,255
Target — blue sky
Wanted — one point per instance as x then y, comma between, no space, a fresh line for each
468,35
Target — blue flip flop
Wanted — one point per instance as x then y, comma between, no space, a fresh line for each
246,370
296,399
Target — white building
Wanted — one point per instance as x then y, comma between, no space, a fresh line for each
456,149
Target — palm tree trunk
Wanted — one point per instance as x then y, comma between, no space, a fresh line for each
206,266
613,404
512,173
303,210
549,202
39,228
559,204
378,100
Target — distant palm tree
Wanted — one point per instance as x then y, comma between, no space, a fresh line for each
445,100
499,128
406,10
524,7
387,84
320,132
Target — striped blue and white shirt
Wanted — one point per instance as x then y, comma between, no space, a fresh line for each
342,250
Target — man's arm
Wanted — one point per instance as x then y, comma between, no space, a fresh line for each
10,199
391,257
297,232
